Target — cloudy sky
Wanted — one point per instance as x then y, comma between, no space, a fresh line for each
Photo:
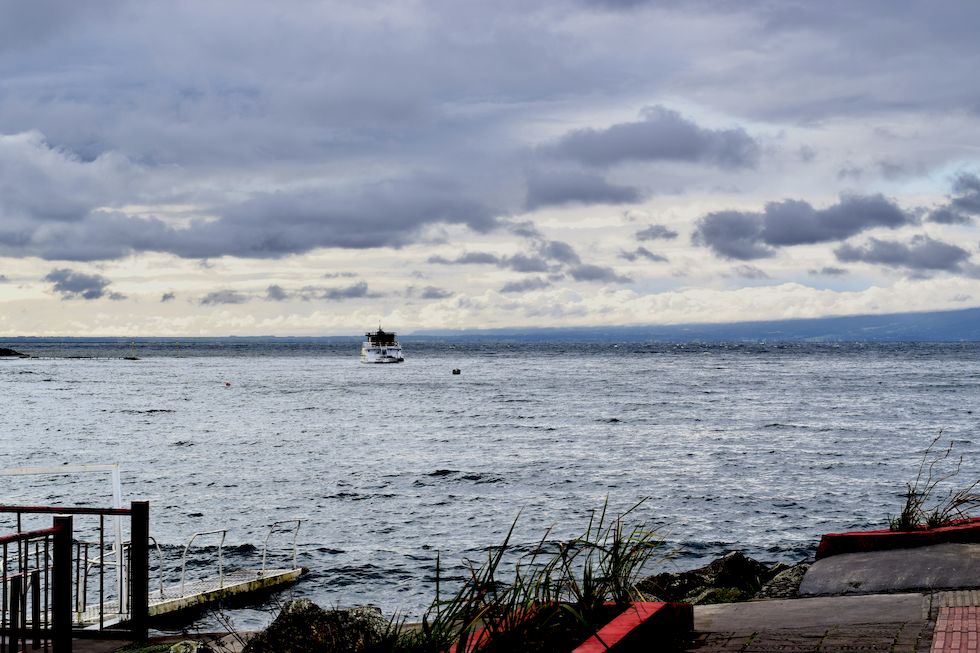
301,167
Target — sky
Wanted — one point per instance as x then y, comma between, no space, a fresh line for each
319,168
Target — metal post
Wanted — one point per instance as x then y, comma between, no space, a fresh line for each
16,611
139,567
61,586
36,609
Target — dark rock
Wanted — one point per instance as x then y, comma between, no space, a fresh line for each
785,584
304,627
11,352
732,577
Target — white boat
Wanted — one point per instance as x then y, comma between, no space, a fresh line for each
381,347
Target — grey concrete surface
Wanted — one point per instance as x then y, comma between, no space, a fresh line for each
938,567
820,612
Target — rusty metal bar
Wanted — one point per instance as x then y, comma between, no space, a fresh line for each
64,510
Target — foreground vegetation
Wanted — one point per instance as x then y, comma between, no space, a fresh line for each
926,505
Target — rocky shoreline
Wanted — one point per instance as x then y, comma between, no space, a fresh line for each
730,578
11,353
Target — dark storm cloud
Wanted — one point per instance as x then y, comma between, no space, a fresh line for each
949,215
967,188
78,285
559,188
746,235
557,250
597,273
963,206
432,292
525,263
661,135
354,291
732,235
656,232
227,110
167,297
219,297
476,257
266,226
553,256
794,222
525,285
276,293
922,253
525,229
642,252
549,251
277,224
53,206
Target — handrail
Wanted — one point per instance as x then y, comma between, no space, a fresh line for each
159,563
272,528
66,510
221,572
29,535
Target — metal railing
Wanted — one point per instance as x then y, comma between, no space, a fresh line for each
221,565
26,588
278,525
63,583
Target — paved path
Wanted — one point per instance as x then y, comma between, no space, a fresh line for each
897,623
936,622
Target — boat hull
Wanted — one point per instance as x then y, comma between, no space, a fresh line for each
388,355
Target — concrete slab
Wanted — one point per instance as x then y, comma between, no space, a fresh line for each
812,613
928,568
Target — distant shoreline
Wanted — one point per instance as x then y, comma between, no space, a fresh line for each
962,325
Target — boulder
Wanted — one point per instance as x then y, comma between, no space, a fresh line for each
304,627
785,584
732,577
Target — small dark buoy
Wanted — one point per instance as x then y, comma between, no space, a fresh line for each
227,384
456,370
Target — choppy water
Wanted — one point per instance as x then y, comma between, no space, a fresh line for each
756,447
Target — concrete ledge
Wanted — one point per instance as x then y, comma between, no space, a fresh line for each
780,614
963,532
928,568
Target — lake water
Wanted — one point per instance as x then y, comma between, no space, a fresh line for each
756,447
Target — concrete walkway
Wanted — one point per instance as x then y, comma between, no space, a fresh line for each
870,607
899,623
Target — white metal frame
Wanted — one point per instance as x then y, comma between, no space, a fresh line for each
113,471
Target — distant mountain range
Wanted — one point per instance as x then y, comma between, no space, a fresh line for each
937,326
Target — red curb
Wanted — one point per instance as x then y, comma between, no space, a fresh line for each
644,626
962,532
641,627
